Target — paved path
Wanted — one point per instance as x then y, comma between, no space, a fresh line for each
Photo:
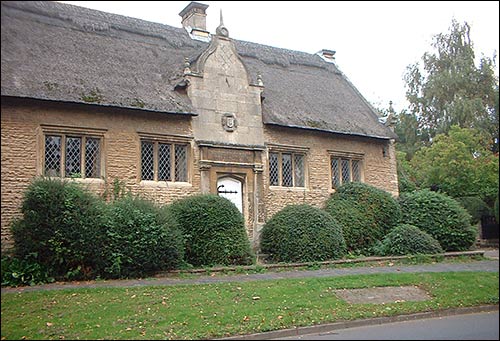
485,265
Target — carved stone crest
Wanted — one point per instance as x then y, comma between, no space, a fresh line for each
229,122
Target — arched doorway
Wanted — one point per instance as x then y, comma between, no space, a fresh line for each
232,189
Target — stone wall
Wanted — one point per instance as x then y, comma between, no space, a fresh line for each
22,150
377,170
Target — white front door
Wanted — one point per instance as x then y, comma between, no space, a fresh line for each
231,188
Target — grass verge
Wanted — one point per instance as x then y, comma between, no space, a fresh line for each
223,309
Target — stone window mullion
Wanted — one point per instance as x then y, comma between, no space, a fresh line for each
172,162
63,156
280,170
82,156
155,161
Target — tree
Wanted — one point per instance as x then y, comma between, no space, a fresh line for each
410,137
459,165
449,89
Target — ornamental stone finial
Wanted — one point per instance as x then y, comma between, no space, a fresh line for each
391,117
187,65
222,30
259,80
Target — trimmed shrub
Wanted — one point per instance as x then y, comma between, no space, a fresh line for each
214,231
441,216
360,231
141,239
475,206
62,227
365,212
302,233
407,239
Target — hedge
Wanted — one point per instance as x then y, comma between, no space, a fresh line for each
407,239
214,231
61,228
441,216
141,239
302,233
365,212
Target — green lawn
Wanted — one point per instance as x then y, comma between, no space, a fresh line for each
216,310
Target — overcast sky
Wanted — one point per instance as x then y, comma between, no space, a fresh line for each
375,40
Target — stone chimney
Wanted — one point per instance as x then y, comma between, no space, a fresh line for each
194,20
327,55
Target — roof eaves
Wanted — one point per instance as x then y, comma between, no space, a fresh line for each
96,105
329,131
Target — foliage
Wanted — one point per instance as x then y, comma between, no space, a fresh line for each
495,209
449,89
458,165
407,239
360,230
411,137
61,226
117,191
475,206
26,271
406,174
141,239
365,212
302,233
440,216
214,231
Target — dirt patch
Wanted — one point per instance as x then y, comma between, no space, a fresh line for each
383,294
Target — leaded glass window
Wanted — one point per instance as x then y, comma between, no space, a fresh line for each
72,156
335,173
344,170
180,162
164,161
53,155
147,158
286,169
273,169
92,158
298,170
286,162
356,171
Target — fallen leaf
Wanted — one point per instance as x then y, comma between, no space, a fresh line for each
49,324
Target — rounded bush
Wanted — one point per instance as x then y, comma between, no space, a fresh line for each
302,233
441,216
61,228
360,231
365,212
407,239
475,207
141,239
214,231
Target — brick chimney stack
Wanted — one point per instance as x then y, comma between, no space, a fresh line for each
194,20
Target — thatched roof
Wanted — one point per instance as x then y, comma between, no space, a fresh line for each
61,52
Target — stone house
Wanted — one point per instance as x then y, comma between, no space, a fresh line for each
172,112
